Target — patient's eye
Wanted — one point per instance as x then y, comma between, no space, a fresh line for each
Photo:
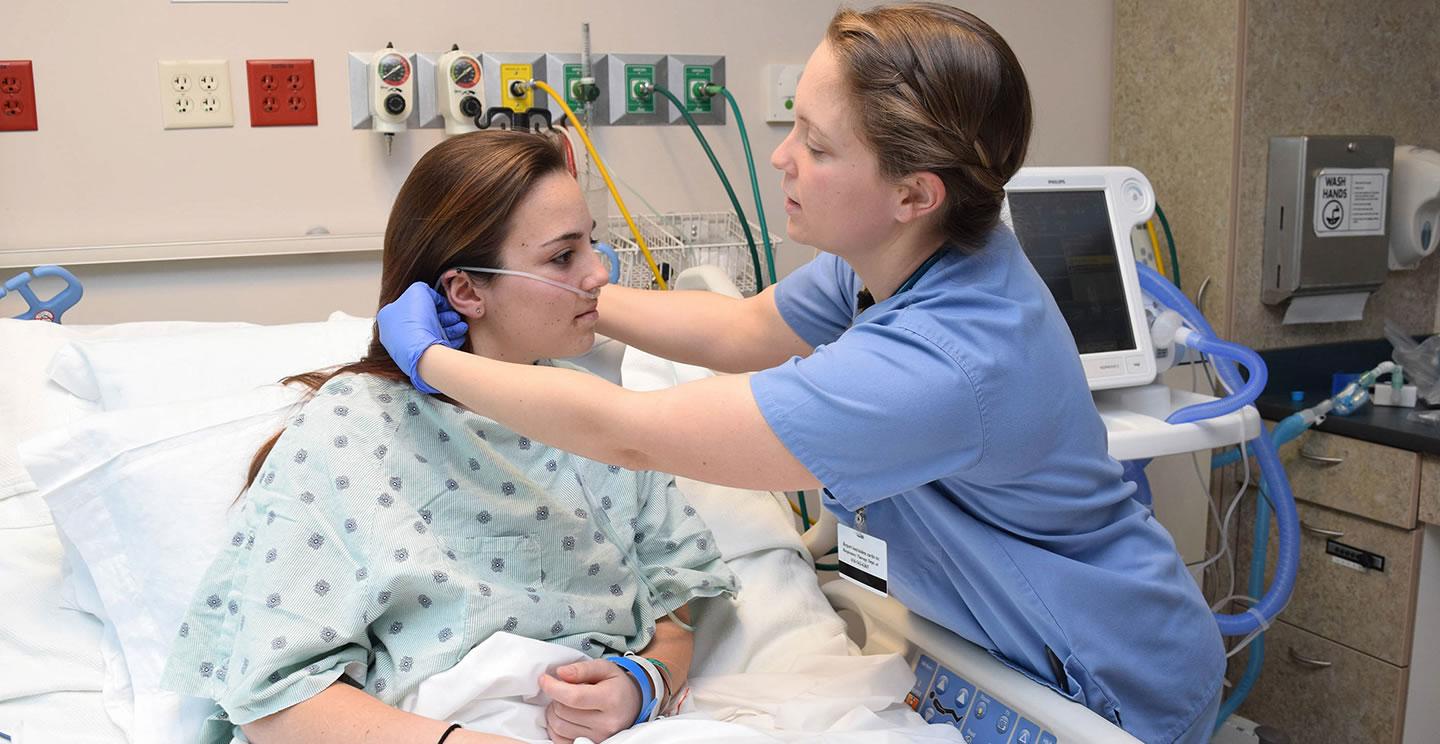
563,258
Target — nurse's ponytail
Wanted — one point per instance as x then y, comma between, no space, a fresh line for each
938,90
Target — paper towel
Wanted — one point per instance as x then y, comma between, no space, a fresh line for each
1331,308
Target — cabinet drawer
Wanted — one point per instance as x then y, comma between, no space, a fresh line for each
1371,480
1319,691
1368,610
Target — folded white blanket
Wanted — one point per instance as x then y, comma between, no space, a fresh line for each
495,689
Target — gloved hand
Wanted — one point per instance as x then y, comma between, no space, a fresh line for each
415,321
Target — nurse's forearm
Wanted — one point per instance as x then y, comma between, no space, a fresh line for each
701,328
342,713
689,327
570,410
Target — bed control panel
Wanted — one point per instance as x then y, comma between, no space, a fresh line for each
941,695
959,684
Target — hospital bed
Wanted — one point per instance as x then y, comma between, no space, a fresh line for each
113,446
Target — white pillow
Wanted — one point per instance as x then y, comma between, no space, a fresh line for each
135,489
31,405
125,373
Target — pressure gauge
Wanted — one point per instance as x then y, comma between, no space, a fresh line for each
465,72
457,83
392,93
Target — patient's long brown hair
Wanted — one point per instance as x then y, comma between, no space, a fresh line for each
454,210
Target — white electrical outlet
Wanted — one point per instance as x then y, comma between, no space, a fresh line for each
195,94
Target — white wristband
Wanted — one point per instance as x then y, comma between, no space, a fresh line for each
657,683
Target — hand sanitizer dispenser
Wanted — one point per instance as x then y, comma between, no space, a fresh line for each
1414,206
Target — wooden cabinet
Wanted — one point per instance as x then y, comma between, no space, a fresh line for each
1365,479
1354,655
1317,690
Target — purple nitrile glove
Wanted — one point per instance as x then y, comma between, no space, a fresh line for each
416,320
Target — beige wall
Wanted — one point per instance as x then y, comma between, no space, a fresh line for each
102,171
1202,86
1339,67
1174,120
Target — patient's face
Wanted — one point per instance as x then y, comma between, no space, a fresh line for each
525,320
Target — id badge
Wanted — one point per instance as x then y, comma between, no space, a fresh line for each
862,560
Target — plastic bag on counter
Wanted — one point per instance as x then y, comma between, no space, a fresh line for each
1421,361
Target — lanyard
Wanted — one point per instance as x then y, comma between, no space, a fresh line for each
864,301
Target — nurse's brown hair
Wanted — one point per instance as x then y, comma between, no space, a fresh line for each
453,210
936,89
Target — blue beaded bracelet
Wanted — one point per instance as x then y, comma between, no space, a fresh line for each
642,680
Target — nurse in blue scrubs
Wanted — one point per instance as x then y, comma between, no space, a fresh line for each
917,370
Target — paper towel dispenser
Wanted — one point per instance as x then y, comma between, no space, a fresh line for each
1414,206
1327,219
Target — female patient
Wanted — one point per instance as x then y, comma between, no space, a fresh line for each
385,532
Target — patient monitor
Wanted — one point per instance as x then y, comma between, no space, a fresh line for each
1074,225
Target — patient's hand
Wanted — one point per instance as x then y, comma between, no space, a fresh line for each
595,699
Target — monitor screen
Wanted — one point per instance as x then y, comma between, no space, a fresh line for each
1067,236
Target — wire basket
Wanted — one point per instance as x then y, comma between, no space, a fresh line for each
681,240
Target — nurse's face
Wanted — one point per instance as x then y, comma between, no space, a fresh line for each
519,319
836,199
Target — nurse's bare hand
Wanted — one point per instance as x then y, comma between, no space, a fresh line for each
594,699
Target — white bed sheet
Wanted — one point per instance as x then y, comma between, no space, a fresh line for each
63,652
53,666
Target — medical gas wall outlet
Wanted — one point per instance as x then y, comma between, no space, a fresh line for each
459,84
392,91
508,94
689,75
566,72
195,94
627,82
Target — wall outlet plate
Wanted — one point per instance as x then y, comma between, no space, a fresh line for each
281,92
617,75
563,71
195,94
501,68
780,83
686,72
17,96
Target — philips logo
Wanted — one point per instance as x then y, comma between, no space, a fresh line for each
1055,181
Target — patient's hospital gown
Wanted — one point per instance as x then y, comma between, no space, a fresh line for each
389,532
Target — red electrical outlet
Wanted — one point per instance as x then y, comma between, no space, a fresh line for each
282,92
17,96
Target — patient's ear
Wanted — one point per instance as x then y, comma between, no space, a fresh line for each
460,291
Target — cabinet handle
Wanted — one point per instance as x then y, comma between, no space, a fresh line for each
1312,529
1309,662
1321,459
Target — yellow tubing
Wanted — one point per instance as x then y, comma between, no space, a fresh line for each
1155,246
575,121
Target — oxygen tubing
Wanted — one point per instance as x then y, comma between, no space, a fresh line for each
600,165
724,180
1168,294
754,181
1288,430
1276,487
1240,396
